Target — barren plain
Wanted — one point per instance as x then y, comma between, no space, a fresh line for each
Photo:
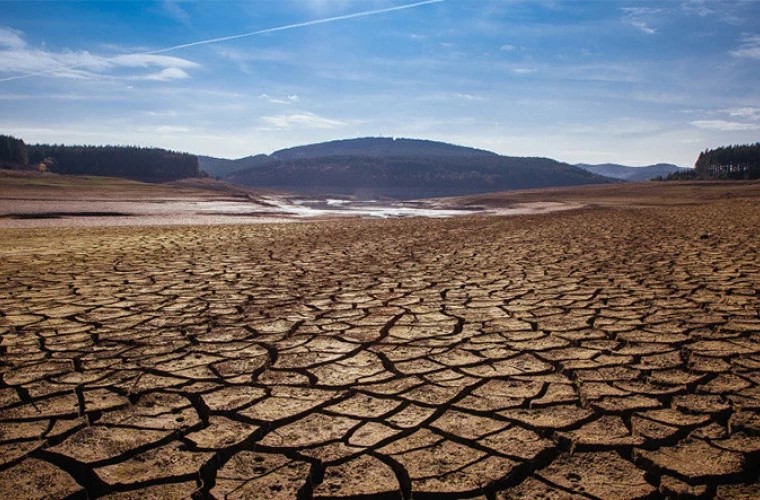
611,351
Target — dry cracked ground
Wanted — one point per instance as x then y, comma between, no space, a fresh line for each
599,353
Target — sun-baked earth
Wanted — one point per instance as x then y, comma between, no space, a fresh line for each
607,352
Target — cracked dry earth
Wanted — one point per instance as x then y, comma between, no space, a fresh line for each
605,353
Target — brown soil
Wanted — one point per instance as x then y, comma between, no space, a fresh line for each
607,352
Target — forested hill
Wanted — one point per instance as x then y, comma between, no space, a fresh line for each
404,169
144,164
379,147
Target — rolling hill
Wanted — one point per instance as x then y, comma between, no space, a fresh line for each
397,168
634,174
379,147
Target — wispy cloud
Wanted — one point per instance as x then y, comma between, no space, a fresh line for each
296,25
469,97
747,112
291,99
641,18
726,12
172,9
643,27
10,38
698,7
233,37
641,11
17,56
146,60
449,97
725,125
300,120
166,75
749,48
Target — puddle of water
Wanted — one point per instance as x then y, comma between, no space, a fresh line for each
36,213
333,207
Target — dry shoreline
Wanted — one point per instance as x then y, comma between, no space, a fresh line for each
59,201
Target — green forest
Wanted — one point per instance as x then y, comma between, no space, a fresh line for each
12,151
382,147
413,176
730,162
144,164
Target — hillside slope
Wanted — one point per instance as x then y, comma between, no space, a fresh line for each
634,174
379,147
221,167
404,169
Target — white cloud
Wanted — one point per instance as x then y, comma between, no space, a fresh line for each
469,97
749,48
524,71
747,52
19,60
746,112
643,27
507,47
11,38
146,60
449,97
725,125
166,74
301,120
291,99
174,11
62,65
641,18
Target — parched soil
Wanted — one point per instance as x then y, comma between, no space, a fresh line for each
597,353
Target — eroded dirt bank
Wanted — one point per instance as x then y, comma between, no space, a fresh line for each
609,353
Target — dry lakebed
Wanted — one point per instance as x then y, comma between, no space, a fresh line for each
609,350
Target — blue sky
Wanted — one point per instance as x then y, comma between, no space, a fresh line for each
578,81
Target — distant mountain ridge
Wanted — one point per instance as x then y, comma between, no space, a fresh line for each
397,168
635,174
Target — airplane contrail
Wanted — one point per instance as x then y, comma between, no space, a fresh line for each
230,37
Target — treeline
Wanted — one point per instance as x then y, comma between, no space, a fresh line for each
683,175
12,151
730,162
144,164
